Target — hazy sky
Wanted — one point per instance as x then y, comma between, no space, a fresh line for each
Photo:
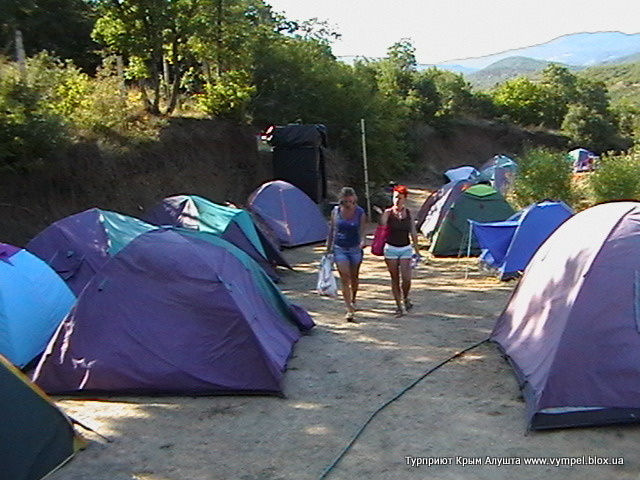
444,30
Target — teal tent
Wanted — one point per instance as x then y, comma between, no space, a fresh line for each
480,203
36,438
233,224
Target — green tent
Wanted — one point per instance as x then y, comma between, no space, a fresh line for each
480,203
35,437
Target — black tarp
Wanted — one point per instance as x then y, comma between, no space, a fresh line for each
299,158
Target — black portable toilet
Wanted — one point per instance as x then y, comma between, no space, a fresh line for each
299,158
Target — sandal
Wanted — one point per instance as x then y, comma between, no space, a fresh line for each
349,317
407,304
398,313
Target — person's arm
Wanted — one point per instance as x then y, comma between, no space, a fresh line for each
363,221
385,217
329,243
413,232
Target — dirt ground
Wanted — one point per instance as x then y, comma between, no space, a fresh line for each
339,374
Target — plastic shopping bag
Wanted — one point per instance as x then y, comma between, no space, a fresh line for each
326,281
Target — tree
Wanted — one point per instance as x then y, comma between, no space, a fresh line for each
542,174
62,27
561,90
522,101
456,98
589,128
163,39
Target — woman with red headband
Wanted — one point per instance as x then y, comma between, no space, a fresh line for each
398,250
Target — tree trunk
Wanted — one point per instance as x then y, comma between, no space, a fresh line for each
155,79
21,57
145,98
165,76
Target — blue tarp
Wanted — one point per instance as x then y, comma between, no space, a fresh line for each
509,245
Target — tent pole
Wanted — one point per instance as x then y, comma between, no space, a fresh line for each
366,167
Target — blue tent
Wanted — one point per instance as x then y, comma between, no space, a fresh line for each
33,302
232,224
509,245
583,160
500,170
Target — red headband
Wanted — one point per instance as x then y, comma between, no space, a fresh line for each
401,189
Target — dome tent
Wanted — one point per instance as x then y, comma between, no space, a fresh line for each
481,203
291,214
77,246
37,438
508,246
500,171
571,329
435,207
233,224
176,311
33,302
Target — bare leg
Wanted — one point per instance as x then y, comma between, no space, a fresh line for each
394,270
405,274
355,280
344,269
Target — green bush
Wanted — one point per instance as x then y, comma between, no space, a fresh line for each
229,97
617,177
29,130
542,174
589,128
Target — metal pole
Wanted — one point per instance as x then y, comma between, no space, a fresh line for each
366,167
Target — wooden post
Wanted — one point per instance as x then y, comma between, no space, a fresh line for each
366,166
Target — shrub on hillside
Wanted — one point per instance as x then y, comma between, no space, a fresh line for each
229,96
589,128
542,174
617,177
29,130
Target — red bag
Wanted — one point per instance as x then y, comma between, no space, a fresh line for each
379,239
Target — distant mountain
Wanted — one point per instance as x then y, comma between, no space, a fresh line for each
580,49
452,68
622,60
506,69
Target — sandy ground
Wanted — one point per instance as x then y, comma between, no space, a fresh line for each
338,376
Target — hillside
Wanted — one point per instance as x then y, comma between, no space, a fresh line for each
506,69
623,81
214,159
622,76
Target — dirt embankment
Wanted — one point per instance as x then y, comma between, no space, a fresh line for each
473,143
214,159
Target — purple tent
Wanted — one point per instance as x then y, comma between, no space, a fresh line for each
233,224
571,329
174,313
77,246
289,212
